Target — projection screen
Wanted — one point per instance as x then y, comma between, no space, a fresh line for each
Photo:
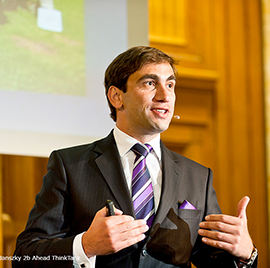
53,54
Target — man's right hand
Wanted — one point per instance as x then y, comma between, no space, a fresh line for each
108,235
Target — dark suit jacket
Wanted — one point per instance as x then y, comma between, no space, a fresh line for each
79,181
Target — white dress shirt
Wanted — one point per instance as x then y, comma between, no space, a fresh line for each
124,143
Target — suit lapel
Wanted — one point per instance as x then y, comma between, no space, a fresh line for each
170,183
109,164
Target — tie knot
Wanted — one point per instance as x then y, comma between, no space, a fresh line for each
139,149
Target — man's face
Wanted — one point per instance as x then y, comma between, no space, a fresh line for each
148,104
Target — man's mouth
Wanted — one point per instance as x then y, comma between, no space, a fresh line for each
160,111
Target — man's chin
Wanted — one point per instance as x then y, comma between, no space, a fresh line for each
159,128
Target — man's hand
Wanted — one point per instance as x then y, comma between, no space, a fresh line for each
108,235
229,233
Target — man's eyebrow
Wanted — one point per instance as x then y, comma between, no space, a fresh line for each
155,77
172,77
147,76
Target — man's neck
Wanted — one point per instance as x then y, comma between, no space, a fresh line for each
143,138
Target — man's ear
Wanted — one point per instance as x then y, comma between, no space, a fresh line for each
115,97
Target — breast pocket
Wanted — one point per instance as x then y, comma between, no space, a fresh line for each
192,218
173,239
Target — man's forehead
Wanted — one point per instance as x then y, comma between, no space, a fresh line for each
156,69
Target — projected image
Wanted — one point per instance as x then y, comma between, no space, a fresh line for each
42,46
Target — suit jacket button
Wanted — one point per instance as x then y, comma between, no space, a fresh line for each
144,252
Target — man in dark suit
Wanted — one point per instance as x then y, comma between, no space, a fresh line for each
69,224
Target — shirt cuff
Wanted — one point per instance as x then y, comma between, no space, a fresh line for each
80,260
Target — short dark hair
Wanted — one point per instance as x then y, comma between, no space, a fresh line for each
128,63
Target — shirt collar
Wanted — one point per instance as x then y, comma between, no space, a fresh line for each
125,142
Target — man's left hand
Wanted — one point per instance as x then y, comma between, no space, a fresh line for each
228,232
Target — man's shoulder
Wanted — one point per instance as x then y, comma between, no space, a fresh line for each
85,150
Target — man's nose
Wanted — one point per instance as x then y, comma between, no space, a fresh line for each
162,94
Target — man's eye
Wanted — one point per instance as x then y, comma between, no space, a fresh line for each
171,86
150,83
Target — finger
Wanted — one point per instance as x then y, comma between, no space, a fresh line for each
217,243
219,226
242,206
133,234
222,218
118,211
127,226
216,236
119,221
131,241
123,223
135,230
124,243
103,212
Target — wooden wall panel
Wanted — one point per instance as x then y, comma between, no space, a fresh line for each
266,82
162,20
183,28
240,119
21,181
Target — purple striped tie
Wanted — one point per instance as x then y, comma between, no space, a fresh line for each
142,189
